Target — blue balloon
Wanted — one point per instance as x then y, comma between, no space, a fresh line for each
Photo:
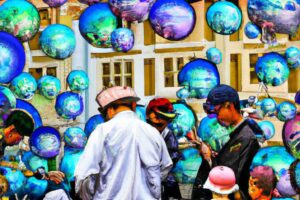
12,59
268,106
78,80
24,86
69,105
16,180
31,110
292,55
183,93
122,39
297,97
295,175
55,3
75,137
92,123
49,86
214,55
286,111
69,162
251,30
35,188
141,112
7,97
268,129
33,162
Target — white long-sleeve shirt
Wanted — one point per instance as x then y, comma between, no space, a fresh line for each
130,157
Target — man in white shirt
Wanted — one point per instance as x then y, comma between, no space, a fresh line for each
125,158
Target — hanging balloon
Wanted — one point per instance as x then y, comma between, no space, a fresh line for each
69,105
55,3
49,86
20,18
122,39
16,180
295,175
89,2
96,24
286,111
274,16
291,136
297,97
69,162
12,60
200,76
292,55
33,162
78,80
35,188
9,96
92,123
4,185
141,112
75,138
268,129
268,106
172,19
23,86
214,55
284,186
58,41
224,17
251,30
283,198
45,142
183,93
272,69
31,110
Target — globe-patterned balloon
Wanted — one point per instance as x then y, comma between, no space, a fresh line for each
69,105
89,2
183,93
33,162
31,110
49,86
286,111
285,187
35,188
268,129
15,178
4,185
24,86
268,106
12,60
214,55
122,39
251,30
12,101
291,136
200,76
292,55
272,69
20,18
92,123
75,137
78,80
55,3
224,17
132,10
69,162
297,97
58,41
96,24
295,175
45,142
172,19
141,112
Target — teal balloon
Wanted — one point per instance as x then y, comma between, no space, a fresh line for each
33,162
58,41
292,55
92,123
69,105
24,86
122,39
75,137
69,162
268,106
183,93
8,96
141,112
286,111
78,80
214,55
268,129
35,188
16,180
49,86
251,30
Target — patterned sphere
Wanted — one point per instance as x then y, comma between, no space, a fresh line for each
7,96
268,129
251,30
35,188
268,106
49,86
284,186
96,24
272,69
12,59
291,136
141,112
172,19
297,97
122,39
214,55
292,55
24,86
20,18
69,105
224,17
69,162
55,3
200,76
286,111
78,80
16,180
183,93
33,162
58,41
89,2
45,142
75,138
295,175
92,123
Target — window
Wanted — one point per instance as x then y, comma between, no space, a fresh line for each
51,71
253,60
235,71
149,76
37,73
171,68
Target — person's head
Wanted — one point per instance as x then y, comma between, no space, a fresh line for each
262,182
223,101
159,113
116,99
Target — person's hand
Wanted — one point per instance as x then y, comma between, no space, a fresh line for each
56,176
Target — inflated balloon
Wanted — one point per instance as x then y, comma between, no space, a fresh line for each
15,178
297,97
12,59
251,30
268,106
31,110
92,123
284,186
172,19
122,39
295,175
49,86
33,162
286,111
141,112
224,17
291,136
183,93
96,24
274,16
45,142
272,69
20,18
89,2
200,76
75,138
292,55
214,55
24,86
58,41
268,129
35,188
12,101
4,185
69,105
69,162
78,80
283,198
55,3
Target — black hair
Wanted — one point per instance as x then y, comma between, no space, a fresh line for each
22,121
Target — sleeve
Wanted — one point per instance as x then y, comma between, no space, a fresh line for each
166,162
172,146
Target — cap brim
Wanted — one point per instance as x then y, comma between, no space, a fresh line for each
167,115
216,189
123,100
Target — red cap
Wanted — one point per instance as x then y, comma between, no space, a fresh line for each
162,107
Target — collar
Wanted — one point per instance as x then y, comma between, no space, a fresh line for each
237,128
165,132
125,113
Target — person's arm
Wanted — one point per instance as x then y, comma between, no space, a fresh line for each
166,161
